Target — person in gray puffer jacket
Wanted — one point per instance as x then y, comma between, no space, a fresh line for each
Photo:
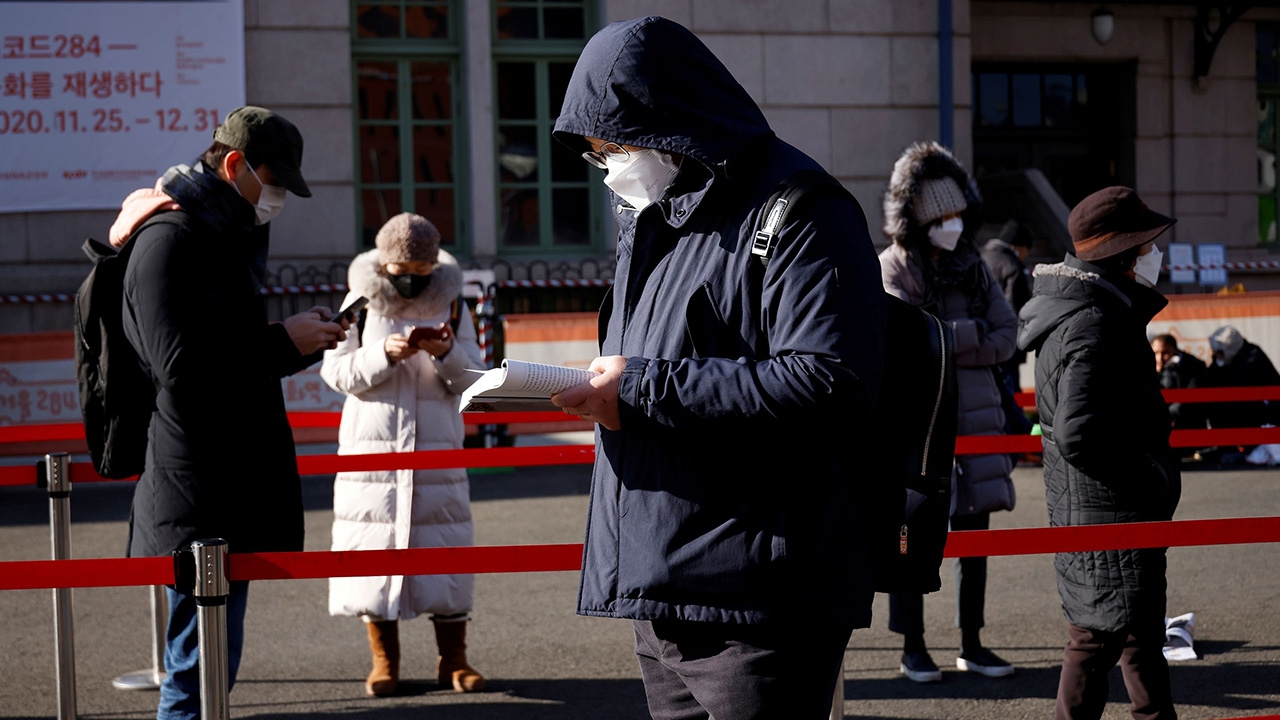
1106,447
931,211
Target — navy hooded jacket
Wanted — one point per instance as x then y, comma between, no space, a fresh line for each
730,492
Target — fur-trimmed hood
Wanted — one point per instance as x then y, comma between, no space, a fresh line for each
925,161
366,277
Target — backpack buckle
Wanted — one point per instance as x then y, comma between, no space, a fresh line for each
763,243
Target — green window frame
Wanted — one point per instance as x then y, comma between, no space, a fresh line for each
550,201
1267,45
408,115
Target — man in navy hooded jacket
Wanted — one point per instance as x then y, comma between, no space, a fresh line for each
733,397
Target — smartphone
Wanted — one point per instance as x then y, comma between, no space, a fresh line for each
350,311
426,333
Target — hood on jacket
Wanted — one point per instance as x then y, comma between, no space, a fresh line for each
925,161
366,277
140,205
1063,289
652,83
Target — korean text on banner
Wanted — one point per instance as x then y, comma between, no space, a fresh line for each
98,99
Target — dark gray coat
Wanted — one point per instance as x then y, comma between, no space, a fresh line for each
730,493
1106,435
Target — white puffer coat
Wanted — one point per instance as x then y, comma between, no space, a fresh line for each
400,407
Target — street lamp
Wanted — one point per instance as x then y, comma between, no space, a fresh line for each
1103,24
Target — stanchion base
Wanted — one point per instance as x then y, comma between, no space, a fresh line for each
138,680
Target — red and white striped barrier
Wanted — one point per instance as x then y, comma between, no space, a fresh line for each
1251,265
596,282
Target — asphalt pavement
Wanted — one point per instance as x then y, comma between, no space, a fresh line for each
543,661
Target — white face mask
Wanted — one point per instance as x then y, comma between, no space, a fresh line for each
270,199
947,235
1147,267
642,178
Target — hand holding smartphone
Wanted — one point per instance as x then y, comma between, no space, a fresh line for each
350,311
421,334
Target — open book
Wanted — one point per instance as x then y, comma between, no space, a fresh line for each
520,386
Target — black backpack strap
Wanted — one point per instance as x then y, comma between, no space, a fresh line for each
783,201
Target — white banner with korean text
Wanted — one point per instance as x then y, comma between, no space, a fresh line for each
100,98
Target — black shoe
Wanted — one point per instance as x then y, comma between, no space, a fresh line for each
918,666
984,662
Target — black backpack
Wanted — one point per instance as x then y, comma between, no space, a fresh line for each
117,397
913,424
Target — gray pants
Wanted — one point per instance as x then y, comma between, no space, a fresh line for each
906,610
695,671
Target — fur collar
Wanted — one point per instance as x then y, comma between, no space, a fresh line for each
924,161
1064,270
365,277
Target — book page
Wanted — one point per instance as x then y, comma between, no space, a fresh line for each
532,379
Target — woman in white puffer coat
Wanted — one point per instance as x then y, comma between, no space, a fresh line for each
401,399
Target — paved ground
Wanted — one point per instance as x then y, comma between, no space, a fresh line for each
545,662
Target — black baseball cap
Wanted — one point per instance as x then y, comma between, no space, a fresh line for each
266,139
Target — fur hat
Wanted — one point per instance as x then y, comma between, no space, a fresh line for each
938,198
407,238
1226,340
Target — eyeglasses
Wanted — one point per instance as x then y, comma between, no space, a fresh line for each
607,151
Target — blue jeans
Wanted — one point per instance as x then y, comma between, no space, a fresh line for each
180,691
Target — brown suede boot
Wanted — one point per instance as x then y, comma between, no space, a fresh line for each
384,641
452,667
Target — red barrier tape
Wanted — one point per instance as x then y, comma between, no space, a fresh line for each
41,574
17,475
436,459
35,574
1191,395
75,430
421,561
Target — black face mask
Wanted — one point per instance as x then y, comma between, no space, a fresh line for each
410,286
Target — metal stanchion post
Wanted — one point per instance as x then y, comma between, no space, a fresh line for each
150,679
837,699
211,591
57,468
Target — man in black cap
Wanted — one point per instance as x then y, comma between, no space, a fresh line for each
1106,446
220,456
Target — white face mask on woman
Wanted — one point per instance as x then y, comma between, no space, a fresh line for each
947,235
642,178
1146,269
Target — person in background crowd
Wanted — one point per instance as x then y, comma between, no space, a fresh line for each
1106,447
403,398
1006,256
721,381
931,211
1178,370
219,464
1239,363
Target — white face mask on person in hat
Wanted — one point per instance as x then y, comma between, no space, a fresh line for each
1146,269
946,235
270,201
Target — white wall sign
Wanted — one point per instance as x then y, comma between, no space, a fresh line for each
1181,254
99,98
1212,254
